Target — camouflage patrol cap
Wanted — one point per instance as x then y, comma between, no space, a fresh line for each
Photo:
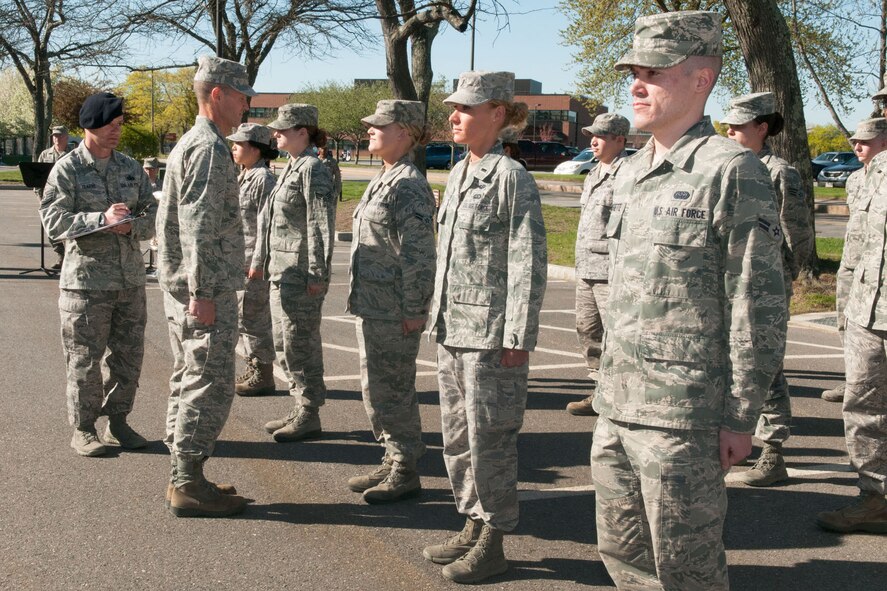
59,130
396,111
217,70
476,88
295,115
151,162
667,39
881,94
749,107
608,124
251,132
869,129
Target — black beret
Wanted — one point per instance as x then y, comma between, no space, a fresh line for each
100,109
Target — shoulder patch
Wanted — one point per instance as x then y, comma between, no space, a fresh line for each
772,230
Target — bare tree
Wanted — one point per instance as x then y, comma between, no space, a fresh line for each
247,30
765,40
37,34
409,32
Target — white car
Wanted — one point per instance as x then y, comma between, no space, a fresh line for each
582,163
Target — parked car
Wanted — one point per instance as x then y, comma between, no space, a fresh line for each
583,162
442,155
836,176
543,155
827,159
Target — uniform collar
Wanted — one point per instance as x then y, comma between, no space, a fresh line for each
387,176
682,152
486,166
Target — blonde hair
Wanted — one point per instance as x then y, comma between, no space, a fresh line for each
515,114
419,135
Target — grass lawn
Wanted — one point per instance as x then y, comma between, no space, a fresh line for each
564,178
818,294
827,193
11,176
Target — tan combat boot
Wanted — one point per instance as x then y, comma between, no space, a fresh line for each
258,380
86,443
768,470
457,546
194,496
401,482
120,433
304,425
366,481
868,514
836,394
582,408
485,560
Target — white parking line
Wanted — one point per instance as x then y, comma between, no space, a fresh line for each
570,311
562,353
818,470
561,328
806,344
553,493
841,356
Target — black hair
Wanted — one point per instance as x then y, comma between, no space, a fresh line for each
775,123
266,152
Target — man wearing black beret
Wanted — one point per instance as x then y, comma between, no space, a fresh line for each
102,281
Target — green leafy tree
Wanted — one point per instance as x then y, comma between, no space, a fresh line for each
826,138
137,141
70,92
161,102
17,114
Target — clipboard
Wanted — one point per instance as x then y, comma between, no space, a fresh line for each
126,220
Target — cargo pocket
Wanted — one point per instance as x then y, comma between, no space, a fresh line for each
678,259
470,309
500,396
77,331
681,370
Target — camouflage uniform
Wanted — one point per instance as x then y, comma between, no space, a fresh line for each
51,155
297,230
865,397
491,275
592,260
102,281
200,252
333,165
392,277
695,330
256,184
151,163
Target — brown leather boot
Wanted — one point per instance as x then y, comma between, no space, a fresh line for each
401,483
367,481
582,408
305,425
258,380
868,514
194,496
457,546
485,560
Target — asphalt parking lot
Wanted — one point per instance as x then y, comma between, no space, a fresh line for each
69,522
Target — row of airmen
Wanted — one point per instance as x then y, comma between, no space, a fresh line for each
697,269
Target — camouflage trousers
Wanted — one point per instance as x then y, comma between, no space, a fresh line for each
865,405
591,294
774,424
661,502
254,305
388,384
482,408
201,388
103,332
296,316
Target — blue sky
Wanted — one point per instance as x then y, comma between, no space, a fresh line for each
530,46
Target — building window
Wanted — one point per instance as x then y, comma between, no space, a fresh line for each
262,113
551,116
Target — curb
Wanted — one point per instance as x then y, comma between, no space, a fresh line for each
831,207
560,187
562,273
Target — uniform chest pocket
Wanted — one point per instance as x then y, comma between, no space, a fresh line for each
291,194
474,215
614,224
679,232
379,212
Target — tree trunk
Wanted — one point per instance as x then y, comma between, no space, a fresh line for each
42,102
766,46
423,76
